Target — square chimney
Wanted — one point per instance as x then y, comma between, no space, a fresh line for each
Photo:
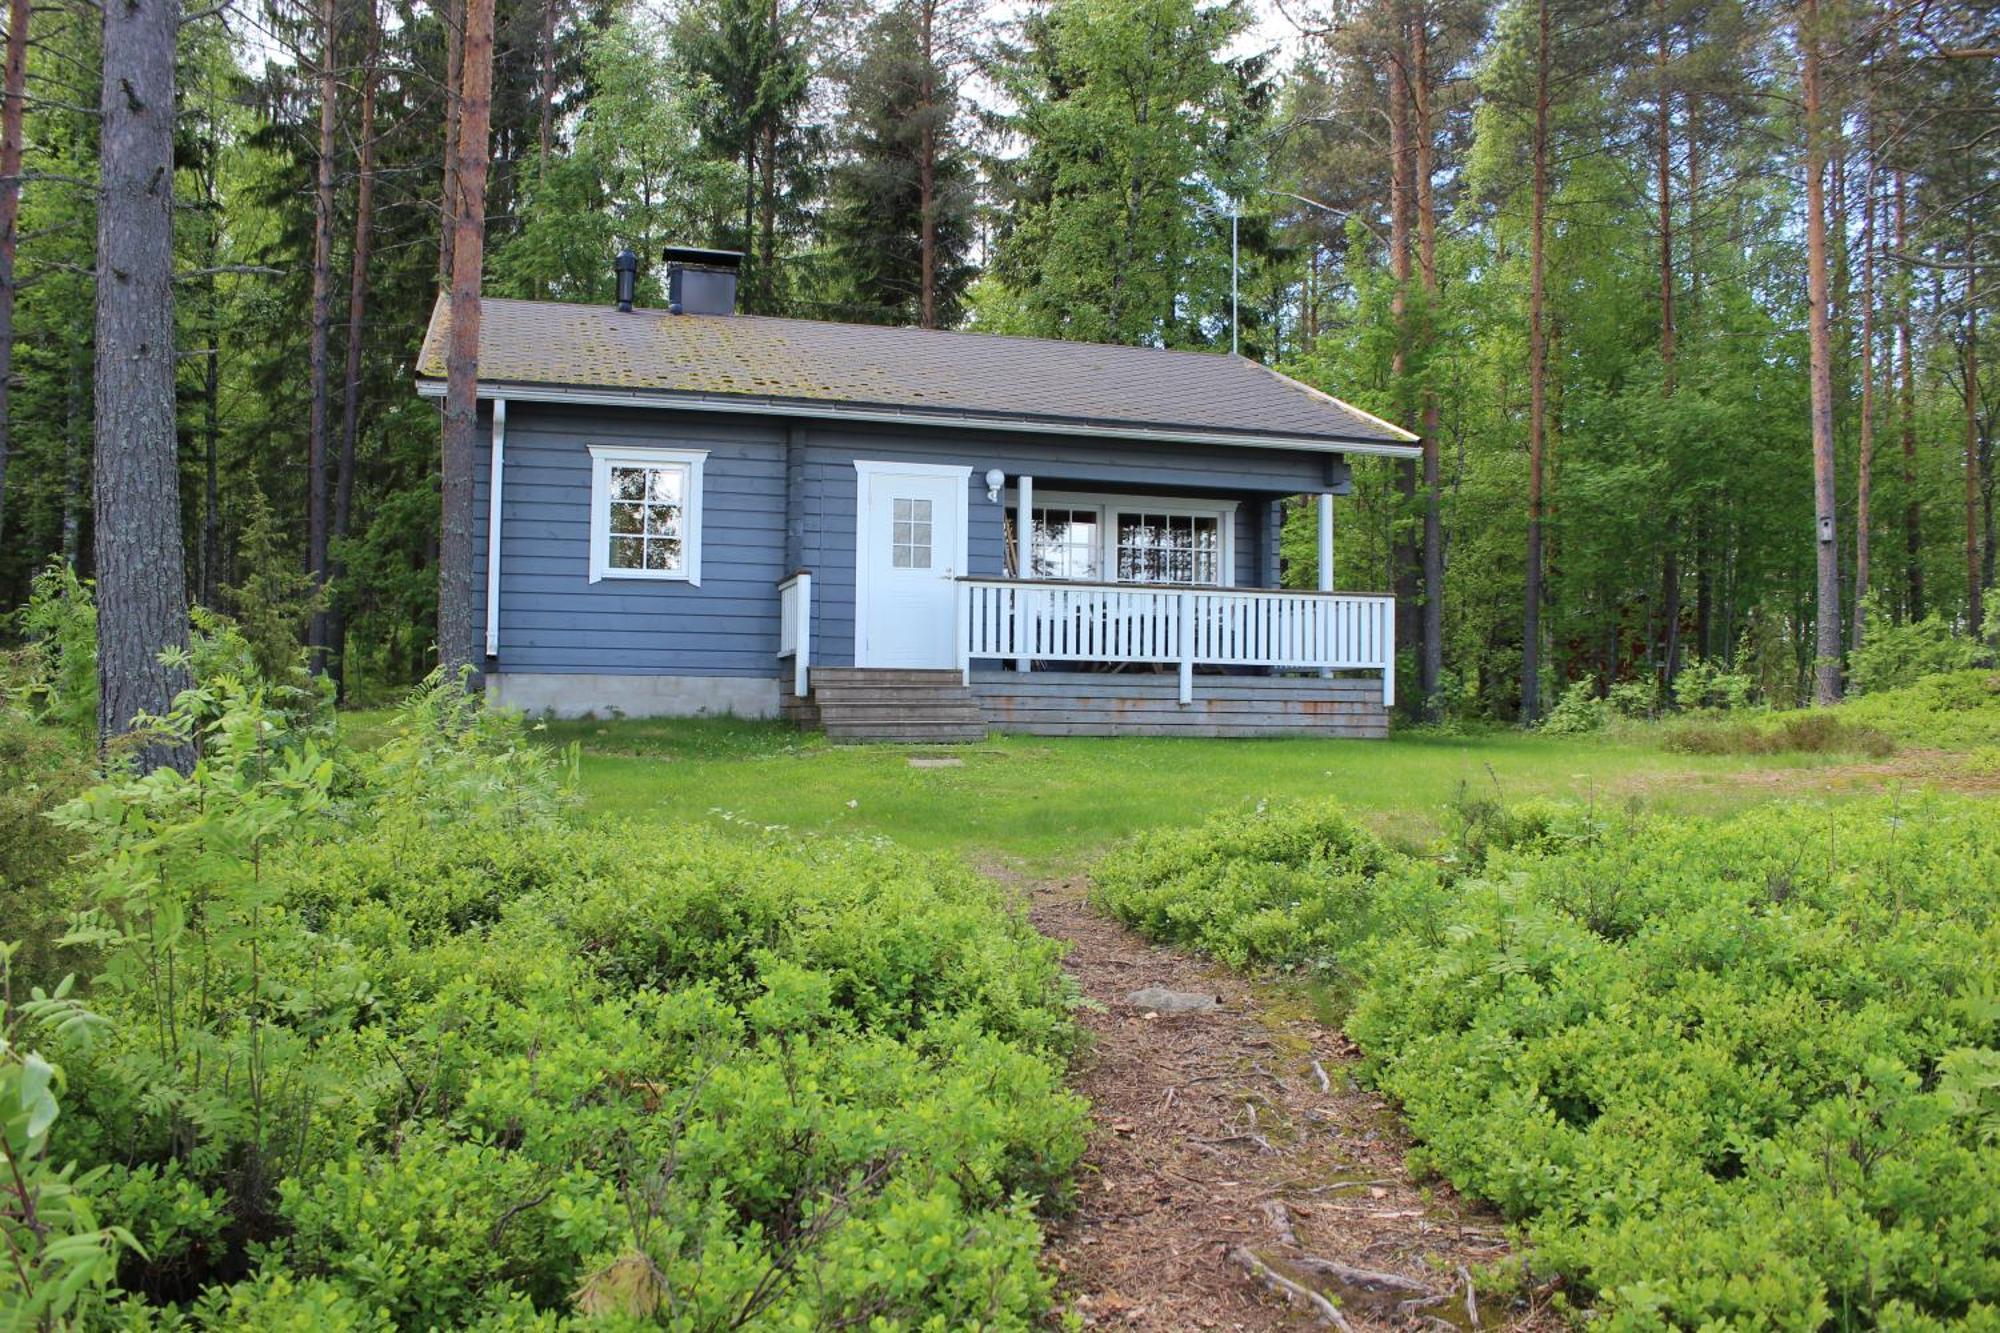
701,282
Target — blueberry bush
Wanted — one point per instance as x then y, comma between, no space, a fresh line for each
1723,1074
391,1039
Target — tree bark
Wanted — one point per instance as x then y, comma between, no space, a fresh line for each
357,323
13,107
454,77
545,131
1430,660
1538,403
1819,334
1913,510
1864,476
1409,622
318,354
141,577
1974,568
927,166
461,405
1670,562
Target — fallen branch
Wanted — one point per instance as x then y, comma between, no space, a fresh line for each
1319,1072
1471,1299
1280,1218
1368,1279
1328,1312
1258,1139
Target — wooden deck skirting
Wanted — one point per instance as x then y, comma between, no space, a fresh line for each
1085,703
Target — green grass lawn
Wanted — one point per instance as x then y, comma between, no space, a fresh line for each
1050,805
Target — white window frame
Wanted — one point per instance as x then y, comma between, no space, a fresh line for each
1110,506
604,457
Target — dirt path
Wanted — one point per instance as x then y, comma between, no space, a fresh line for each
1232,1139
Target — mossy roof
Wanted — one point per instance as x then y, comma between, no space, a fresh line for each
809,365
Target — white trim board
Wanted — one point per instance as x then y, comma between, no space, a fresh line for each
559,393
865,472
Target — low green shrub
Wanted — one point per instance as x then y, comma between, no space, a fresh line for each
1705,684
1817,731
1957,710
1723,1074
1290,885
396,1042
1700,1062
1578,712
1892,656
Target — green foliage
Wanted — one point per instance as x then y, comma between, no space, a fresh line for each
397,1043
1818,731
1704,684
59,1259
1735,1074
1960,709
1289,885
1579,712
1893,656
1132,113
1697,1061
60,625
41,768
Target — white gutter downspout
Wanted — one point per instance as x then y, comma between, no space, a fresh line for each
496,473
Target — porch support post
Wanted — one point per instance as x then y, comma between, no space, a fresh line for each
1024,552
1326,551
1185,614
1326,541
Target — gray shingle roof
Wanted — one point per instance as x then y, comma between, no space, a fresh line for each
809,366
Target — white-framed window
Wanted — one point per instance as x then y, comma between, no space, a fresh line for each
645,513
911,527
1067,542
1131,539
1169,548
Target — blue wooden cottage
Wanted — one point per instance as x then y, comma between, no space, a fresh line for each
905,534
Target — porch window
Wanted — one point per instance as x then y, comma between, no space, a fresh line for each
645,513
1066,543
1169,548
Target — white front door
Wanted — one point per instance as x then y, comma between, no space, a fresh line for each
909,550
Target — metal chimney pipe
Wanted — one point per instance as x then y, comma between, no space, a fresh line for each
626,266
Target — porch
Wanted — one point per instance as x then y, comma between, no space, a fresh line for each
1050,657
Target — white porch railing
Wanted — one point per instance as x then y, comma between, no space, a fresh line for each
795,628
1190,627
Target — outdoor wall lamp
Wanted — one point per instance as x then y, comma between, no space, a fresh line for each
995,479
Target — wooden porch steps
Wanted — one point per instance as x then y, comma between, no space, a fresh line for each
920,707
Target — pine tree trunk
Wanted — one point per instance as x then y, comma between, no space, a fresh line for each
1531,628
1430,660
13,107
461,406
1402,172
1670,563
1913,510
141,578
1974,568
927,166
357,323
1864,477
545,131
318,356
1819,334
75,447
454,79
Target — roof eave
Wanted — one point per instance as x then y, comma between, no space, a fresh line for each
1403,447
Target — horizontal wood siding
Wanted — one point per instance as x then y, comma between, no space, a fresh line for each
554,619
1075,703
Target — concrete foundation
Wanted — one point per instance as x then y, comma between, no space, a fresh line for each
548,694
